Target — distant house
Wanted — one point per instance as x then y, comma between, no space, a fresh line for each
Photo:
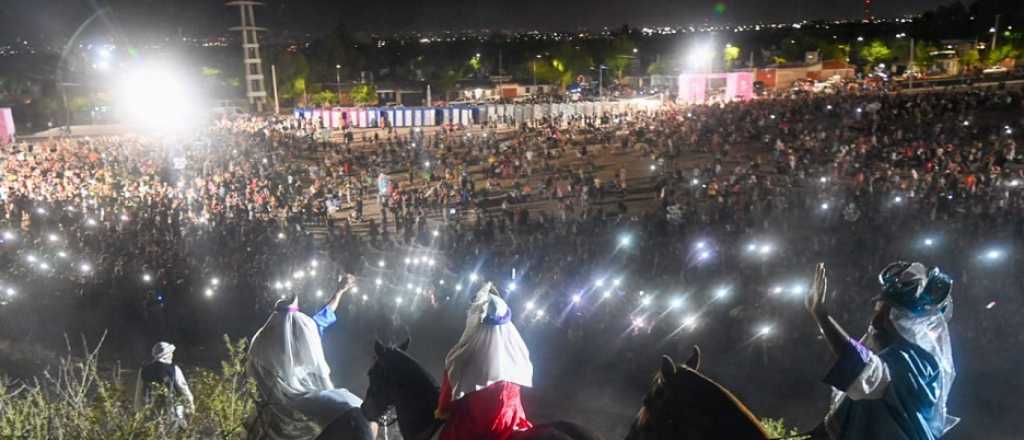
784,75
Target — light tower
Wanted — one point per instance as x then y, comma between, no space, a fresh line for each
254,88
868,16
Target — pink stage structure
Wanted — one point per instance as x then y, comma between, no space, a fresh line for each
693,87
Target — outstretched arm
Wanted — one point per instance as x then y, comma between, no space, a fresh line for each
838,340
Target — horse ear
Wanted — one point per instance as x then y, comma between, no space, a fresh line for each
668,367
694,361
404,346
379,348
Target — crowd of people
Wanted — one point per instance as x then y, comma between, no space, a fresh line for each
614,237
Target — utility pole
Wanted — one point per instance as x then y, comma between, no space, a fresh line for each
911,67
337,80
273,80
995,34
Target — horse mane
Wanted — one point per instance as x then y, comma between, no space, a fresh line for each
719,398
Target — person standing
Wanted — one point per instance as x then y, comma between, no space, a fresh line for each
894,382
483,375
161,382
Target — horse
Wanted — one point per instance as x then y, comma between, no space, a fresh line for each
397,380
684,404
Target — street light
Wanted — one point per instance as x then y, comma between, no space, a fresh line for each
337,79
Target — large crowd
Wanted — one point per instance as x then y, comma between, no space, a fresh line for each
616,237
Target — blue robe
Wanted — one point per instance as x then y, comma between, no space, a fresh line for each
899,411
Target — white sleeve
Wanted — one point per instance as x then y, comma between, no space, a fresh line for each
872,381
182,387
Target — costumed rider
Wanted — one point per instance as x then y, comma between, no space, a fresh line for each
160,382
483,375
286,360
894,382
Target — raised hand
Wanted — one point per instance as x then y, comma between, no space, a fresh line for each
818,293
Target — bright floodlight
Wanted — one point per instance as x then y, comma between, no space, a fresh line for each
147,278
704,255
690,321
8,235
530,305
473,277
606,294
85,268
617,282
675,303
157,97
765,249
576,298
378,281
929,242
599,283
645,301
777,290
380,263
208,292
700,56
319,293
215,281
824,206
765,330
398,300
701,245
721,293
512,286
796,290
897,199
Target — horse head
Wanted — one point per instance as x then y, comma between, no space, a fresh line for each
683,404
384,375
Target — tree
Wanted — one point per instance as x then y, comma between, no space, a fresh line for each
834,51
730,55
1000,54
875,52
620,55
969,59
364,94
325,97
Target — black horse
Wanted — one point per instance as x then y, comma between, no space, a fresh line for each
397,380
683,404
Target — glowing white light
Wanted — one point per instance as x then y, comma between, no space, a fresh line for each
796,290
426,164
380,263
530,305
929,242
52,238
829,107
653,167
407,261
399,300
993,254
752,247
606,294
638,322
705,255
408,286
512,286
721,293
617,282
823,179
441,282
701,56
40,211
540,313
765,330
8,235
355,289
209,292
124,217
278,285
299,274
898,199
599,282
365,298
215,281
419,290
694,182
458,287
44,266
147,278
690,321
84,267
777,290
624,240
701,245
765,249
990,305
824,206
31,258
646,301
319,293
431,262
62,254
473,277
314,263
675,303
378,282
436,232
280,235
576,298
288,284
1015,182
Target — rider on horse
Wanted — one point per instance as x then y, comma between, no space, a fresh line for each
483,373
894,382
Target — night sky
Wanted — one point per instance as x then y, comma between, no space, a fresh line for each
54,19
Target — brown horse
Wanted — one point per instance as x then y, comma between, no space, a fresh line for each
683,404
397,380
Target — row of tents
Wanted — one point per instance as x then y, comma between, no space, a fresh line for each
379,117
